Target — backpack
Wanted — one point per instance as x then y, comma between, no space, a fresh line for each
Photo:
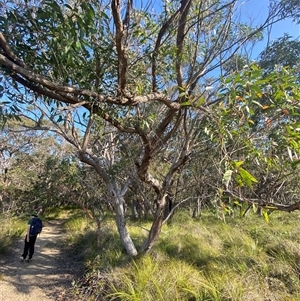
36,226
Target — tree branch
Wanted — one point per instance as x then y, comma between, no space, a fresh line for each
266,205
122,57
87,134
161,33
64,93
184,10
9,53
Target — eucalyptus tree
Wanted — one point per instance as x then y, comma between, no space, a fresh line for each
143,69
23,156
260,134
283,52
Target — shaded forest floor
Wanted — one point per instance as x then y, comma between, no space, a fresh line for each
50,274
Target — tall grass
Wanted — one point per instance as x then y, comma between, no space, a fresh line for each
202,259
162,279
10,229
242,259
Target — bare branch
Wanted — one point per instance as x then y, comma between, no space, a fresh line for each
122,57
87,134
266,205
42,91
161,33
126,20
184,10
63,93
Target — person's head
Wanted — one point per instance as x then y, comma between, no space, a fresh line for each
33,214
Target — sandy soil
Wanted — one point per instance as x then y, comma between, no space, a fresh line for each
48,277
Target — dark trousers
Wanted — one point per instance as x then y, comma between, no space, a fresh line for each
29,246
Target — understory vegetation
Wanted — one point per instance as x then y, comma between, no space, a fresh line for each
195,259
203,258
11,228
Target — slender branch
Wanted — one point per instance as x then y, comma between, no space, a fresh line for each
31,76
215,50
163,139
122,57
184,10
98,111
161,33
266,205
126,186
176,206
87,134
43,86
90,160
126,20
63,93
162,127
65,98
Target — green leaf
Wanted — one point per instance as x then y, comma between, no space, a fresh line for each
77,45
185,104
255,88
227,176
238,163
200,102
91,12
247,177
67,48
295,163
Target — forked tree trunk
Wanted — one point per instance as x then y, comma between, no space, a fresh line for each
156,225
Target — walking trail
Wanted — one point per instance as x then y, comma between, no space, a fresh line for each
47,278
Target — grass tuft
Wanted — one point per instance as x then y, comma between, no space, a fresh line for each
11,228
244,259
203,259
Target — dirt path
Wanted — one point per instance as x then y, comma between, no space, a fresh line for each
46,278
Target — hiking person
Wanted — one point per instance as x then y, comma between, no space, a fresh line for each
34,228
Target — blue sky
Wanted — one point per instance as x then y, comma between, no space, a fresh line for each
256,10
286,26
